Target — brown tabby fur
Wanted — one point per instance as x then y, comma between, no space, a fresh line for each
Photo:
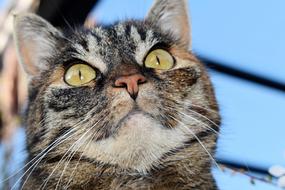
155,142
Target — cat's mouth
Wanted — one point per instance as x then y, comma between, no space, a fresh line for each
125,121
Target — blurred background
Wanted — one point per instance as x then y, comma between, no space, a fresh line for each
241,42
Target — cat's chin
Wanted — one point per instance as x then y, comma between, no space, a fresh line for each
139,144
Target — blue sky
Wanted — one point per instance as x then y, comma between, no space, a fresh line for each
248,35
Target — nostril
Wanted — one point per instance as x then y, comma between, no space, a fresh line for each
120,83
141,80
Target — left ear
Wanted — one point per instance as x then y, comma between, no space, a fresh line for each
35,41
172,16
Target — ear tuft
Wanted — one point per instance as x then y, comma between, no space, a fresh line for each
172,17
35,41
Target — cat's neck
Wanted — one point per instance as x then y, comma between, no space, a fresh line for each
175,172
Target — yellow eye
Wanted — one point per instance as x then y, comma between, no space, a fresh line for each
159,59
79,75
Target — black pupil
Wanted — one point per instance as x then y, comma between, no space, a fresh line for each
79,73
157,59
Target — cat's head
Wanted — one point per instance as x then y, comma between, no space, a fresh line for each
127,94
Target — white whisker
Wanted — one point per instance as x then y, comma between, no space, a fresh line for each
74,144
50,148
204,125
204,117
34,165
200,142
86,146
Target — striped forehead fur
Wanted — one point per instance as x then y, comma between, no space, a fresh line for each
100,39
91,53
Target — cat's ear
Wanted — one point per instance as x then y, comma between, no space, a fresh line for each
35,41
172,16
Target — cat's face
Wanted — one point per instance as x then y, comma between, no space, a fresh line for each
126,94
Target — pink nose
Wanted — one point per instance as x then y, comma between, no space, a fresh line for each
131,83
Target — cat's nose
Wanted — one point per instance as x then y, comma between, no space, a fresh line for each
131,83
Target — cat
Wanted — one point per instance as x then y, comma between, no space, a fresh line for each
124,106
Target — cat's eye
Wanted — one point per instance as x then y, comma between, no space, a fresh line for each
79,75
159,59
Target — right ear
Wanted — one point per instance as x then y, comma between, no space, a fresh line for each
35,41
172,17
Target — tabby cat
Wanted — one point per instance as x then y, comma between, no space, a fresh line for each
125,106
